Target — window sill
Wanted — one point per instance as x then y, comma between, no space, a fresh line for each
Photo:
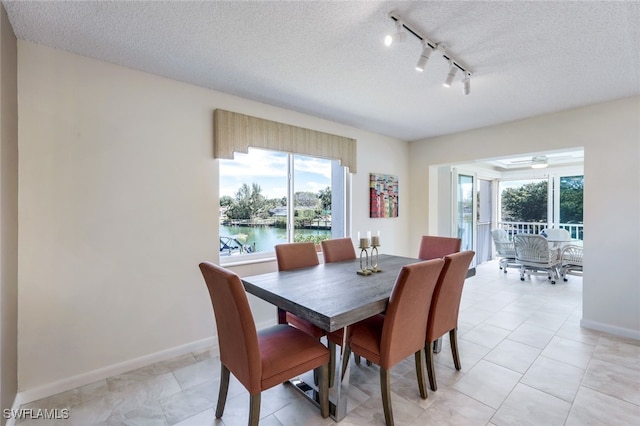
246,261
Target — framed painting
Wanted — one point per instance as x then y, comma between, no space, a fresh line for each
383,195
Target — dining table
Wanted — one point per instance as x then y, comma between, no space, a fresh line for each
332,296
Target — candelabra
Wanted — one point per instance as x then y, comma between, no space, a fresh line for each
364,247
369,263
375,243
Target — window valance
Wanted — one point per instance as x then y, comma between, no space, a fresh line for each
234,132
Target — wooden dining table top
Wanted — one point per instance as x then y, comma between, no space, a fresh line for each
331,295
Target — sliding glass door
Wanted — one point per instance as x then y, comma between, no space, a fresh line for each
464,209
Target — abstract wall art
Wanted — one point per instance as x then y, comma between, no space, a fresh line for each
383,195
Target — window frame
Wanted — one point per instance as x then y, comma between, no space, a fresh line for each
341,197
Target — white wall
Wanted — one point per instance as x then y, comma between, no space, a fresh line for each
118,205
610,135
8,214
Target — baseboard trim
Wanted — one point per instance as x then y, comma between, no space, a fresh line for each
611,329
30,395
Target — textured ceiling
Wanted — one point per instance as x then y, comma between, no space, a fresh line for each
327,58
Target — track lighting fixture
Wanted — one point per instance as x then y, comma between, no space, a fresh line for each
452,74
424,56
398,37
466,83
427,49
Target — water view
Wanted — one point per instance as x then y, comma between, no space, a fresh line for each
262,238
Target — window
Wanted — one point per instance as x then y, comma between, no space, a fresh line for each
261,207
535,204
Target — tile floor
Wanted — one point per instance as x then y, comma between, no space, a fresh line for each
525,361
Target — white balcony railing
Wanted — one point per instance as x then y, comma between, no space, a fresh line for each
576,230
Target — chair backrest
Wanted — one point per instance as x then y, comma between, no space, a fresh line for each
432,247
499,235
572,255
531,248
237,335
406,317
296,255
338,249
445,303
558,234
504,247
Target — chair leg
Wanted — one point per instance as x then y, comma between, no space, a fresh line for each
369,363
254,411
385,388
324,390
431,367
357,358
422,386
453,340
222,393
332,361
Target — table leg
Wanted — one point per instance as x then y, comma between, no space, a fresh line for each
338,408
339,393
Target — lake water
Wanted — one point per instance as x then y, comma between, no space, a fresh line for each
265,237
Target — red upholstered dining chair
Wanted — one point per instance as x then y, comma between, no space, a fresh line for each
432,247
445,305
259,360
294,256
338,249
390,338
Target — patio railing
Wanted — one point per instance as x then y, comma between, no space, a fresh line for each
576,230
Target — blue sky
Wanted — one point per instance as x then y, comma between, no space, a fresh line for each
269,170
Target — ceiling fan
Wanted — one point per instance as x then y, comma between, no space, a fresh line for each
536,162
542,161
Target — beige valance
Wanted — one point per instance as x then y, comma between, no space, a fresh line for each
234,132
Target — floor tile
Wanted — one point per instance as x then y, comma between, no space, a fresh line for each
554,377
569,351
618,352
526,406
486,335
488,383
614,380
532,335
455,408
594,408
513,355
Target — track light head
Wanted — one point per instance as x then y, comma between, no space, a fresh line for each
424,57
399,36
466,83
453,69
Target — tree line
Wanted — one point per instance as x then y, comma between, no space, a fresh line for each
249,203
528,203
